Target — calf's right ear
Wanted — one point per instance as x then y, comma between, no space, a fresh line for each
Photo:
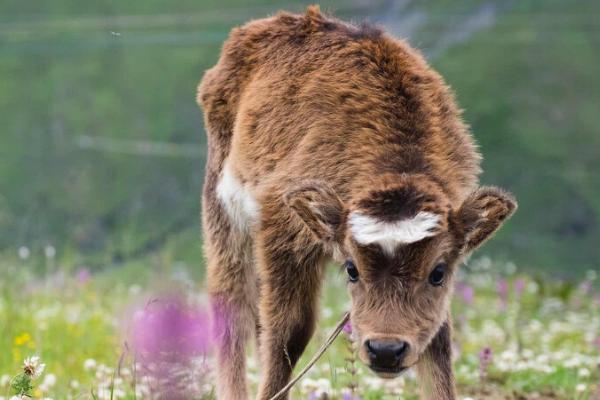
320,208
482,214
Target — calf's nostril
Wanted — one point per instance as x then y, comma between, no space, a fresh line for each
399,349
386,353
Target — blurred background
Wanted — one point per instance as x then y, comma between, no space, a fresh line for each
102,153
102,147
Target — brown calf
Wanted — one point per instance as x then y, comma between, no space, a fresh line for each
334,142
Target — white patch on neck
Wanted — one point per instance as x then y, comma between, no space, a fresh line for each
242,208
368,230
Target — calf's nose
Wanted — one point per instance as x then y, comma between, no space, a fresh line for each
387,353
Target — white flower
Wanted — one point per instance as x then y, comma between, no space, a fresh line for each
24,252
4,380
48,383
89,364
50,380
581,387
583,372
33,367
50,251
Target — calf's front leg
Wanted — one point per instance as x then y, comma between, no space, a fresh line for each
435,367
290,282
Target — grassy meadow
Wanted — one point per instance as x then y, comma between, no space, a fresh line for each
102,152
517,336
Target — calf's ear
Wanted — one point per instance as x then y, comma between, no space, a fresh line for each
482,214
320,208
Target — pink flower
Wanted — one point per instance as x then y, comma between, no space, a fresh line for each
485,359
585,287
168,335
170,325
502,290
466,292
519,285
347,328
83,275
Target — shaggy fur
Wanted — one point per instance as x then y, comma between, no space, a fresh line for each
317,120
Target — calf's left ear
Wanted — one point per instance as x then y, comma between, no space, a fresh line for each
482,214
320,208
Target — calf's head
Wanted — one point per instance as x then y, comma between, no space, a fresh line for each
400,243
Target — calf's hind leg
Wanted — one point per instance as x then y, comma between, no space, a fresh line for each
232,287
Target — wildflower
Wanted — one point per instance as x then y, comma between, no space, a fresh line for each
519,286
585,287
348,395
24,253
581,387
22,339
167,335
485,359
502,290
347,328
83,275
583,372
89,364
466,293
48,383
33,367
49,251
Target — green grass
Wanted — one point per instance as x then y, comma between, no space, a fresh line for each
544,337
528,87
528,83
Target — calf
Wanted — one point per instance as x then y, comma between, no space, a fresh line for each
328,141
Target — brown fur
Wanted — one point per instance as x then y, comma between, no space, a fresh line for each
316,119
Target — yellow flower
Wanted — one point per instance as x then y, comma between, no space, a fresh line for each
23,339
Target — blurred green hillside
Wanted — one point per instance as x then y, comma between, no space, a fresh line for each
102,144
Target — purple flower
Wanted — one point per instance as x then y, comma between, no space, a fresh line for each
347,328
585,287
168,335
83,275
502,290
170,325
519,286
597,342
467,293
485,359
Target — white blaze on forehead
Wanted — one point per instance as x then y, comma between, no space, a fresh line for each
241,207
369,230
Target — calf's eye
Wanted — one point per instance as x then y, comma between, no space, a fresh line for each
436,277
351,270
